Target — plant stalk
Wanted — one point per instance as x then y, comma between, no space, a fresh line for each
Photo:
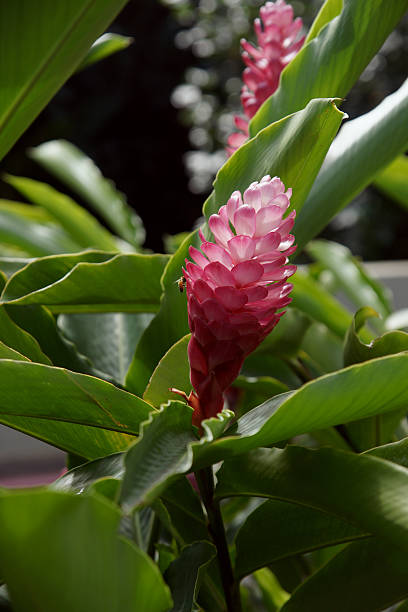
205,481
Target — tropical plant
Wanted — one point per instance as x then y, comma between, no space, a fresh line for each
277,478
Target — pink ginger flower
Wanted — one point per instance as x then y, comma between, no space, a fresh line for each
276,33
235,287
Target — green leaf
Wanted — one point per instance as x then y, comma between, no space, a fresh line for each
39,322
314,300
351,276
107,339
273,596
287,336
329,10
364,577
103,47
16,338
73,168
173,370
355,351
366,491
66,548
277,529
288,148
363,147
41,51
8,353
41,400
332,61
161,453
330,400
395,452
324,348
183,574
11,265
169,325
92,281
81,226
393,180
81,478
27,211
34,238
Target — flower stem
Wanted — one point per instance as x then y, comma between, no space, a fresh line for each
205,481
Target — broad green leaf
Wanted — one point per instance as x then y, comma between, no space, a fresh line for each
363,147
27,211
81,478
389,343
364,577
333,59
169,325
273,596
351,276
329,10
8,353
19,340
311,298
39,322
107,339
33,238
260,365
173,370
81,226
103,47
397,452
393,180
40,52
324,348
183,574
366,491
278,529
72,167
48,398
293,149
252,391
92,281
161,453
65,548
13,337
287,337
330,400
11,265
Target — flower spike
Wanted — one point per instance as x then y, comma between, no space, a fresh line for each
235,287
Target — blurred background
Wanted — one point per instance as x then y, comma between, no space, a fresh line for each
155,117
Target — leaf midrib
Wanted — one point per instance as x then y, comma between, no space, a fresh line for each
43,66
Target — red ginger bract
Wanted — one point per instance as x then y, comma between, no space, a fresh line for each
276,33
235,288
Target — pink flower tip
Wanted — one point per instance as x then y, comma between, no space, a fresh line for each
278,43
235,287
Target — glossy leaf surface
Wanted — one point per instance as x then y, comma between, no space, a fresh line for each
79,224
366,491
161,453
333,60
351,276
46,399
389,343
92,281
364,577
278,529
72,167
363,147
40,51
107,339
288,149
103,47
98,570
393,180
